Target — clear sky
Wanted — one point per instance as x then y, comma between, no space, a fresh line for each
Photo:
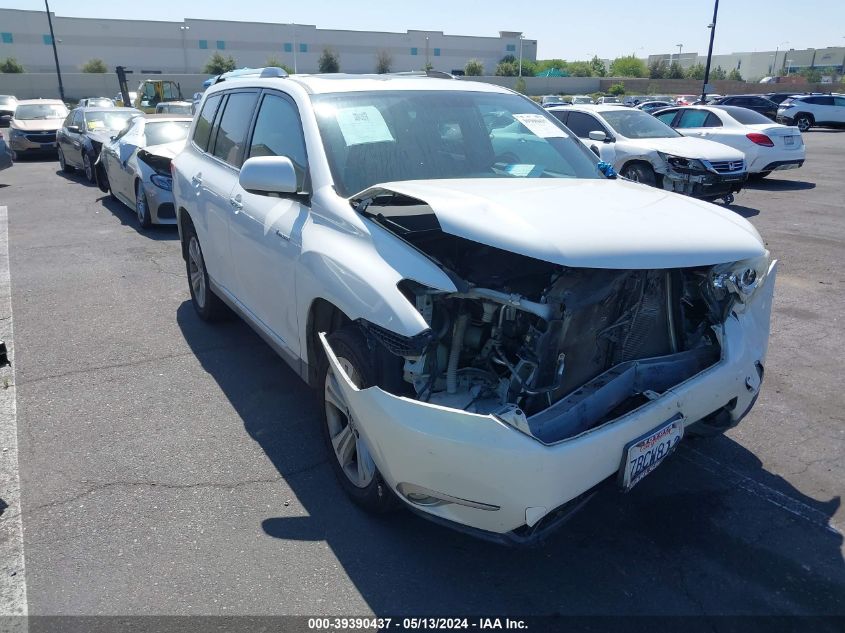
564,28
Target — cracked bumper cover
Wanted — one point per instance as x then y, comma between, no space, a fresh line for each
478,458
703,184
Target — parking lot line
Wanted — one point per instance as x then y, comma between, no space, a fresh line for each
12,569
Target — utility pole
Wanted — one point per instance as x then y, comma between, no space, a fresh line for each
712,27
680,49
521,37
55,52
185,28
293,26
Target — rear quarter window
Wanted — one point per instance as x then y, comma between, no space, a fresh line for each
202,131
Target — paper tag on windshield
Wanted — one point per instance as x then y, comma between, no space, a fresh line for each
540,126
362,125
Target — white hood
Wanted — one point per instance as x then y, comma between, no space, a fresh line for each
688,147
584,223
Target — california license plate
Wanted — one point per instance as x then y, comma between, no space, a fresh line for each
789,140
643,455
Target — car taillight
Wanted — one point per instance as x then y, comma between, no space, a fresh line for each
760,139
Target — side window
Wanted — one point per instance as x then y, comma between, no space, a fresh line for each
202,132
713,121
667,117
78,119
278,132
840,101
582,124
827,101
234,124
68,120
560,115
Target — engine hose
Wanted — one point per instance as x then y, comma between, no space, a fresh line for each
455,352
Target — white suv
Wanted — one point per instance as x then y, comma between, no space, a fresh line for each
806,111
494,326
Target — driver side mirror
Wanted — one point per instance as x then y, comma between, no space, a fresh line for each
73,129
268,174
598,135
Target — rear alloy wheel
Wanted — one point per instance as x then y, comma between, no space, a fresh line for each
803,122
350,458
639,172
142,208
88,167
63,163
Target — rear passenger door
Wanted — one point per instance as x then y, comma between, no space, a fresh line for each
266,231
700,123
838,110
215,178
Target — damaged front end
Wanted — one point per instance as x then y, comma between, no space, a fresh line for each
701,178
513,393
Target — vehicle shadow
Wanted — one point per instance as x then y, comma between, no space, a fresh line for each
746,212
77,176
127,217
773,184
695,537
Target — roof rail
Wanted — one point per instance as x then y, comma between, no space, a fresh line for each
262,73
439,74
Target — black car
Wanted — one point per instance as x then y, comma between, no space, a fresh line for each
780,97
83,133
7,109
764,106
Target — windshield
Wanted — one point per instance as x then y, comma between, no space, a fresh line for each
375,137
637,124
102,102
107,120
175,108
40,111
158,132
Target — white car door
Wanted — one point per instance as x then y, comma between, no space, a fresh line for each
838,114
266,230
214,178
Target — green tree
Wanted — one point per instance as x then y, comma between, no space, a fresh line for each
508,59
529,68
329,61
617,89
628,66
735,75
95,66
11,65
384,61
812,75
658,69
695,72
507,69
718,73
579,69
217,64
676,71
273,62
599,69
474,68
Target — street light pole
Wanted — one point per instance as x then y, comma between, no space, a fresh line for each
521,38
712,27
55,52
184,30
293,26
680,50
777,50
427,61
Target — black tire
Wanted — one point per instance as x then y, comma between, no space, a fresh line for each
142,207
63,163
349,345
88,168
208,305
804,122
640,172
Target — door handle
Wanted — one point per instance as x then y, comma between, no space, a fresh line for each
237,205
196,180
284,236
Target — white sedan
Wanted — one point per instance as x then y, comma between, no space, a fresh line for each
767,146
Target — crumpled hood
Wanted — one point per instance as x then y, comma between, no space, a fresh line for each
37,125
166,150
689,147
102,136
584,223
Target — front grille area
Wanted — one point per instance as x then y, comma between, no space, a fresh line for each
728,166
166,211
42,137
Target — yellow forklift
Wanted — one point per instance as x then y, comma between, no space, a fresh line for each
150,92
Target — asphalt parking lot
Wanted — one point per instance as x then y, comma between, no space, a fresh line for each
172,467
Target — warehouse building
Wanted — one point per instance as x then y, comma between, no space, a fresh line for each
150,47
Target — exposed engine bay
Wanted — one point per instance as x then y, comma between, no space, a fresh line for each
548,349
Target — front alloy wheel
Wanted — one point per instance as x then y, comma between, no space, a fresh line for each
803,122
88,167
142,208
